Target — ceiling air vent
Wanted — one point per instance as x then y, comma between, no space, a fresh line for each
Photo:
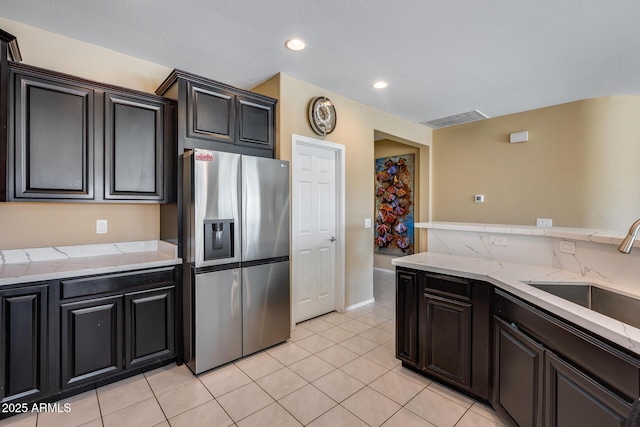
456,119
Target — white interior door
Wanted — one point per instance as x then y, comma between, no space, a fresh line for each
316,234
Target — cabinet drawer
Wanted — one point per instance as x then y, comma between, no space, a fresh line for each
618,370
450,286
115,282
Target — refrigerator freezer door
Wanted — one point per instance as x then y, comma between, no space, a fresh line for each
216,190
266,306
218,319
265,198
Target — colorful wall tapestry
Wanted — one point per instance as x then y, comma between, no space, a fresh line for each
394,205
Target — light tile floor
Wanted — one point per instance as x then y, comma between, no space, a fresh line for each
336,370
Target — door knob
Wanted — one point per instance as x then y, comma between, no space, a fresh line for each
332,239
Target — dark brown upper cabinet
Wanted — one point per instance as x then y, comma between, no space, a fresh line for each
72,139
211,113
134,148
255,122
216,116
9,51
53,154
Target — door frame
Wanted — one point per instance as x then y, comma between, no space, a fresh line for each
339,149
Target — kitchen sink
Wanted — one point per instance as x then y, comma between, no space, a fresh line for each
603,301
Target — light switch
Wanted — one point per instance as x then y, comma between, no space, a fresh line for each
367,223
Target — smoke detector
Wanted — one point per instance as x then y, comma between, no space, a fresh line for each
456,119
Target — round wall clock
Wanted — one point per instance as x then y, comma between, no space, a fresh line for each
322,115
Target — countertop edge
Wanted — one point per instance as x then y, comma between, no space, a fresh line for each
53,263
90,271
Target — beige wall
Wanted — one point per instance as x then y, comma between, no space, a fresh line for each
27,225
579,167
72,223
355,129
55,52
39,224
389,148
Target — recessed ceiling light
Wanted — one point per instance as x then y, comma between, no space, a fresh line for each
295,44
380,84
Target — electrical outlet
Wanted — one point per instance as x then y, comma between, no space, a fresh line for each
567,247
101,226
544,222
497,240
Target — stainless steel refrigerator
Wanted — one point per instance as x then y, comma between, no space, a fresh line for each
236,249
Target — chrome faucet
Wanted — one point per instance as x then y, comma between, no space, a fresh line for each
627,243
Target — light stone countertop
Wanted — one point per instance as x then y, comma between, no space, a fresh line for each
37,264
510,277
595,235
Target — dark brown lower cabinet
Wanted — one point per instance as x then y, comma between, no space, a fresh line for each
407,317
23,343
91,340
150,333
518,376
64,336
443,328
115,322
447,338
548,372
572,398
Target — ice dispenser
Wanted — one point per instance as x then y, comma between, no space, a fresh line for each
218,238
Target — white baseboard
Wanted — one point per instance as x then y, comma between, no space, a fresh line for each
360,304
384,270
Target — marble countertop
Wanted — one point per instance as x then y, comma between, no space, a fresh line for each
31,265
611,237
510,277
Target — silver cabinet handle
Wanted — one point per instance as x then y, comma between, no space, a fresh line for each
332,239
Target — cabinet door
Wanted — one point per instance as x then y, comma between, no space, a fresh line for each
518,376
54,139
23,339
256,123
133,149
210,113
91,339
407,300
447,338
150,330
574,399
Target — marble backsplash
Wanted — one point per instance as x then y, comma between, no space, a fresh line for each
591,260
57,253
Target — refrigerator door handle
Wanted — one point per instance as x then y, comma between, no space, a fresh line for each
236,307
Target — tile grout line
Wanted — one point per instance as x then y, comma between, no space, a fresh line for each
99,407
156,398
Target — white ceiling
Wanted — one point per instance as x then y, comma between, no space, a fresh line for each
440,57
